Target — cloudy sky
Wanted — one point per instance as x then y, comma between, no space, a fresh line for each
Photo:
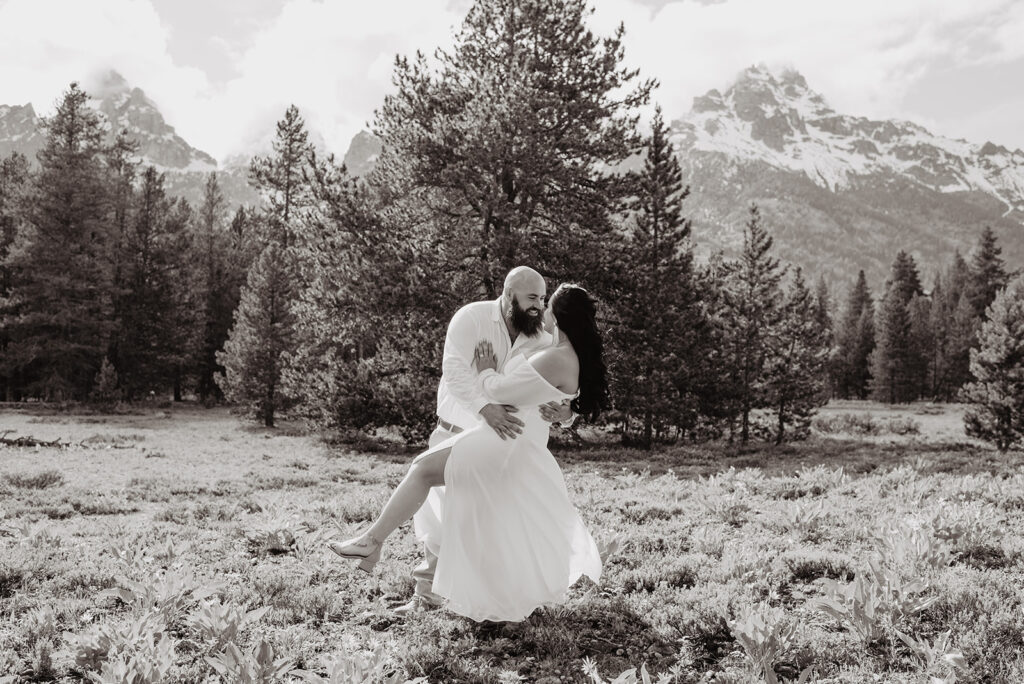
222,71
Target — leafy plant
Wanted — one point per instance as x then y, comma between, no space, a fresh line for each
221,622
257,666
764,634
938,652
872,599
358,668
148,662
108,641
627,677
169,593
914,548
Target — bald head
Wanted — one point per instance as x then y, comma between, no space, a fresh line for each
523,278
524,295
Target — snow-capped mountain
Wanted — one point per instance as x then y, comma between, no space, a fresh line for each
840,192
783,123
19,130
122,107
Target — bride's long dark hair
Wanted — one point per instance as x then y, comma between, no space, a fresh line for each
575,313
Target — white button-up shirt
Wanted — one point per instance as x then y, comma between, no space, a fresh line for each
459,398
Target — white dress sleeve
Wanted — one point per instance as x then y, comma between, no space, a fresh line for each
521,385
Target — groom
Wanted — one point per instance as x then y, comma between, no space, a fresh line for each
513,324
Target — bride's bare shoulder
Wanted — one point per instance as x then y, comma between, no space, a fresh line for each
557,365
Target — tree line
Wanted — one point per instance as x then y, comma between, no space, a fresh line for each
330,299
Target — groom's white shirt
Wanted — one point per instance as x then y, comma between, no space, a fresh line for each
459,397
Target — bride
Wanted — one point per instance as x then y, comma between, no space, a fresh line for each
511,540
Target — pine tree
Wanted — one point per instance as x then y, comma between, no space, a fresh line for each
752,313
63,280
854,339
905,277
155,326
506,149
897,359
210,245
282,177
997,365
262,332
656,345
892,378
953,325
987,273
922,342
15,181
795,368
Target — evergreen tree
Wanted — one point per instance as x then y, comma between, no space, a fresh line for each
953,327
15,182
922,342
855,339
795,368
987,273
892,378
262,333
505,151
213,278
905,277
282,177
63,280
898,357
753,311
155,327
656,345
997,364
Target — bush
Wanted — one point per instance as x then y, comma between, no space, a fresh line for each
997,365
865,424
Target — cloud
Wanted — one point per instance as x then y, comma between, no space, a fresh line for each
333,58
863,57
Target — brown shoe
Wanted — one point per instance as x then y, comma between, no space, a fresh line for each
417,604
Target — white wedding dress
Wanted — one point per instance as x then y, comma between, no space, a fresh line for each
510,540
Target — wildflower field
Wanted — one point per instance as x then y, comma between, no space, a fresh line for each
181,545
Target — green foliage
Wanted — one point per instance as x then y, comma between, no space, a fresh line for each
256,666
750,314
58,316
765,635
657,342
359,668
996,394
795,379
262,333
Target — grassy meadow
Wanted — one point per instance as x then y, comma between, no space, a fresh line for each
183,545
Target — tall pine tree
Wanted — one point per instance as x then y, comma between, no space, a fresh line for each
263,331
997,365
855,340
505,150
63,281
987,272
795,383
15,183
752,312
655,348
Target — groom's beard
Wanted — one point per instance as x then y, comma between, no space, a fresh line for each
524,322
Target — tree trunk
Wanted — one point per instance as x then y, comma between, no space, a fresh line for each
648,428
782,423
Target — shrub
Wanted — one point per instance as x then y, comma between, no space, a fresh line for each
997,365
40,480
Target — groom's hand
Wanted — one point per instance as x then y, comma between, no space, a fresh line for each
556,411
501,420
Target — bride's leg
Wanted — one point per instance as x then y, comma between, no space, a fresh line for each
426,471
